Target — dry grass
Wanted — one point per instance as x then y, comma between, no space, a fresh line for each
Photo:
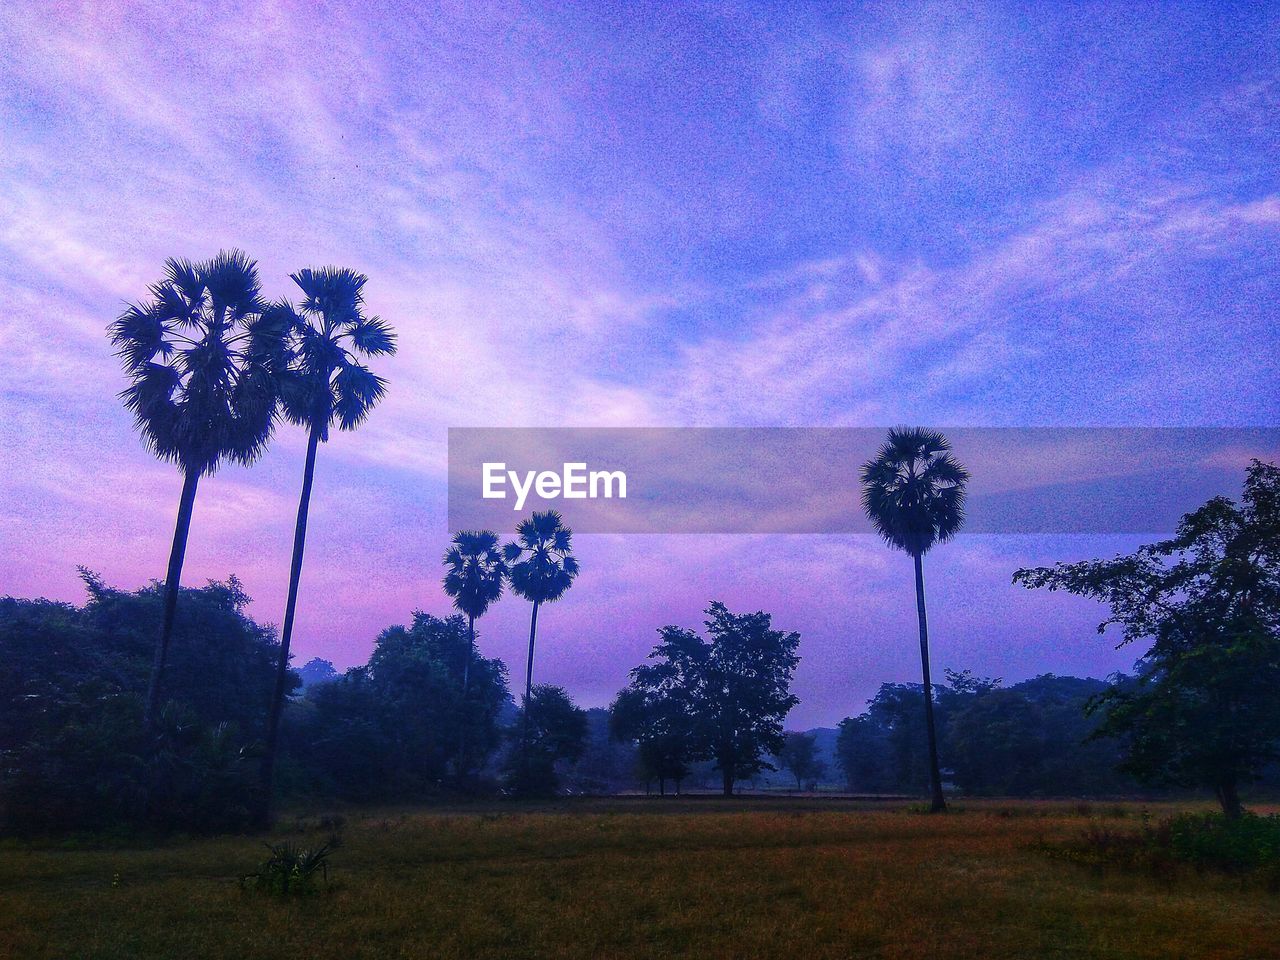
641,878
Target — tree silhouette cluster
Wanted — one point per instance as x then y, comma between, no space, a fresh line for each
213,366
540,566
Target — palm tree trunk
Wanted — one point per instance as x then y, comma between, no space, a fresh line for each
286,631
937,803
460,767
528,695
177,554
528,669
471,649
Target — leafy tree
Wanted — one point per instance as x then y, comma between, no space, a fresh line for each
799,756
660,721
73,753
316,671
201,355
913,491
734,688
1203,709
746,690
390,730
325,384
1034,738
883,749
1030,739
862,753
554,731
541,567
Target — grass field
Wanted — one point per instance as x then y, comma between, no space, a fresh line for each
641,878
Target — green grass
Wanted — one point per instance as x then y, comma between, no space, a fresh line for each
641,878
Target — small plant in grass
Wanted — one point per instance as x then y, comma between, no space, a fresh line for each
291,870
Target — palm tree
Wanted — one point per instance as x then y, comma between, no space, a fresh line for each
541,568
913,491
201,354
476,573
324,384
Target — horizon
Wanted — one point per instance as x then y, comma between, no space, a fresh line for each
585,217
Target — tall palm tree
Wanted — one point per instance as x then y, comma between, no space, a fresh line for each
541,567
325,384
201,354
913,491
475,574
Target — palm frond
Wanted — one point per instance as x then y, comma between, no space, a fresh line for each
356,389
476,571
372,336
914,490
541,566
200,358
232,281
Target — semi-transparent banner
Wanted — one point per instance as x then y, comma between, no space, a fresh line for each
805,480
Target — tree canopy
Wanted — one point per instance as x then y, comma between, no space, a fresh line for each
722,698
1203,708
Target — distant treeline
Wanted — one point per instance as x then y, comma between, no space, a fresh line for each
428,715
397,729
1032,738
76,756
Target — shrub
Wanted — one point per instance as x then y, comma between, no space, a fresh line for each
1210,841
1248,846
291,870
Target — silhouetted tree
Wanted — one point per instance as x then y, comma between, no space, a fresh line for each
553,730
201,355
75,755
316,671
660,720
390,730
475,574
799,757
325,383
913,491
541,567
862,753
885,750
1203,709
1029,739
734,688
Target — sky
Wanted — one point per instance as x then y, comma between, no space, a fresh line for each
591,215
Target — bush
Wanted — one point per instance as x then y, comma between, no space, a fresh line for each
291,870
1210,841
1248,846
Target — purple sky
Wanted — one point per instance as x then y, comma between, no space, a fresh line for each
581,215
